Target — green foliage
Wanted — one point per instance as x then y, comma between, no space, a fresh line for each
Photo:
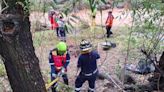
93,5
147,25
25,4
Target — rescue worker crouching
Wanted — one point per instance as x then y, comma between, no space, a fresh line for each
87,62
59,59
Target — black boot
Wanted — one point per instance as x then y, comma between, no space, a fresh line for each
90,91
65,79
53,89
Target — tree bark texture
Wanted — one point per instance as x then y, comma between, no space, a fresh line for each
17,51
161,62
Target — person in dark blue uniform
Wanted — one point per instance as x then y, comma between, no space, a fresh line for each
87,62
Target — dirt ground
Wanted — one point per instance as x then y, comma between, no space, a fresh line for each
108,61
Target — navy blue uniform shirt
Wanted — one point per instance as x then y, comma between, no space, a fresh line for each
88,62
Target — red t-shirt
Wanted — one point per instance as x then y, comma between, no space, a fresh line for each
53,22
109,20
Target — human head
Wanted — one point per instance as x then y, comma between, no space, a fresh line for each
60,16
110,12
61,47
85,46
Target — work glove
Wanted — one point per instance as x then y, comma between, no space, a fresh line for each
54,75
63,70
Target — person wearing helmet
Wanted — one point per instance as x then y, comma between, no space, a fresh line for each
87,63
59,59
108,23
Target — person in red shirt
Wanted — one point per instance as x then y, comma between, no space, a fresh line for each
109,23
55,24
52,16
59,59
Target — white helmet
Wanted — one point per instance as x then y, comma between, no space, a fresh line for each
85,45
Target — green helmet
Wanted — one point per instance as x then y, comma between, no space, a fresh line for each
61,46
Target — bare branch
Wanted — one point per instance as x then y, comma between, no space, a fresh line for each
149,57
7,6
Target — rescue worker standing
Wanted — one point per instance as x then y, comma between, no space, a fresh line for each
61,25
59,59
108,24
87,62
52,15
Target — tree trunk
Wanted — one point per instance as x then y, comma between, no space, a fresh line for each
17,51
161,62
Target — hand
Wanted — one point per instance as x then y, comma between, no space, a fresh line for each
78,72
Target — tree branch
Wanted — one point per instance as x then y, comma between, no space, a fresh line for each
149,57
7,6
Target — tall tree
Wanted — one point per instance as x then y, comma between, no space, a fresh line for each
161,62
16,48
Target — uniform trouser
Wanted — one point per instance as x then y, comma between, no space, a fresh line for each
62,34
108,31
82,78
57,31
65,79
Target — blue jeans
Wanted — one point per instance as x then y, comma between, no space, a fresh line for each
57,31
61,32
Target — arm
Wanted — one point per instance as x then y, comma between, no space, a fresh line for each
51,62
106,20
78,71
96,54
78,66
67,60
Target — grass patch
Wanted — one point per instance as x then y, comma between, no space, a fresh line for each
44,38
48,37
